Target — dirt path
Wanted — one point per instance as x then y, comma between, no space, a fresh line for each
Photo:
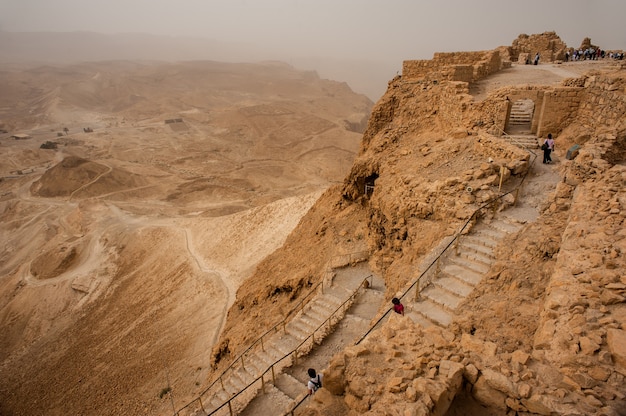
226,283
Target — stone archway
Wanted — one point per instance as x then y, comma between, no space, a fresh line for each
521,117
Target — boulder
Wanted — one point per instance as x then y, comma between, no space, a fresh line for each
616,341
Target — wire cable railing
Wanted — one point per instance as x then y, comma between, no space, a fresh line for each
239,362
422,281
420,284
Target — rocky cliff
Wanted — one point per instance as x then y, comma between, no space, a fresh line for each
545,332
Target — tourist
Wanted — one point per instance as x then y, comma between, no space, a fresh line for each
536,59
315,381
547,147
397,306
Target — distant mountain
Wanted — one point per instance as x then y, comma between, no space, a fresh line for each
367,77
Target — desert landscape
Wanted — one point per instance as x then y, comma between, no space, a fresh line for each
124,243
178,211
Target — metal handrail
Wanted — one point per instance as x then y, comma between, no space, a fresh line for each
457,236
299,306
294,352
459,233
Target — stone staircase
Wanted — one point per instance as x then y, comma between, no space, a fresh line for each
521,114
459,274
282,395
525,141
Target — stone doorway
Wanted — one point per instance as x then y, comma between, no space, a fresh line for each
521,117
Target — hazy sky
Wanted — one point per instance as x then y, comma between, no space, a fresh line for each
369,29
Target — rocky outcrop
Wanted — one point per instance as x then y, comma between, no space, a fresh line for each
544,333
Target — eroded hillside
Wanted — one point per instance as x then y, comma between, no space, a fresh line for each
125,238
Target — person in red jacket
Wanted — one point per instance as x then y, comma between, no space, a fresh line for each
397,306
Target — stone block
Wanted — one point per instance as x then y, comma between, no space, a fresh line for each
616,341
471,373
538,404
572,152
499,382
487,395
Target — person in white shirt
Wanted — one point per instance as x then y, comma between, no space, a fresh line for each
315,381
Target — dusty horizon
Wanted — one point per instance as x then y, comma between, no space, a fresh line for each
360,42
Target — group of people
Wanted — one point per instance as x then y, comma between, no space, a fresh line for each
591,54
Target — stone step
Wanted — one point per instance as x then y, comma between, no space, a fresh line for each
273,402
490,233
297,331
284,341
488,243
454,285
462,273
504,226
290,385
328,302
419,319
432,311
317,313
308,322
478,247
477,267
477,258
239,379
442,297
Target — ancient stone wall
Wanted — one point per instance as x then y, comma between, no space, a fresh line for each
559,108
455,66
548,44
604,101
454,102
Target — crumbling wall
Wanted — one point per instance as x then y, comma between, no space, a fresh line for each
559,108
603,103
455,66
454,102
548,44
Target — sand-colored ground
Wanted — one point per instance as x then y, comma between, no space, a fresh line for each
123,247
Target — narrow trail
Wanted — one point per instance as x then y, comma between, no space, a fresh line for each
226,283
91,182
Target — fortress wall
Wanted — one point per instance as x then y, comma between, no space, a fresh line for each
418,69
548,44
454,101
462,58
454,66
559,108
604,101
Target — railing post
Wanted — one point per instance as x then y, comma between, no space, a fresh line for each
201,405
242,365
222,383
273,376
263,381
262,346
230,408
456,244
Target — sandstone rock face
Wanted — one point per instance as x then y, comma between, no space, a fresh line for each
568,357
542,333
